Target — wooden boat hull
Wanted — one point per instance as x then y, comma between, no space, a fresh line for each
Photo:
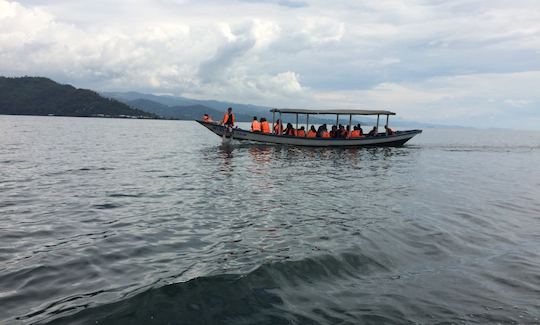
394,140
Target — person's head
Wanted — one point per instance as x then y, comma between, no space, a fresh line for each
386,127
341,127
302,128
355,127
205,115
254,118
334,127
374,128
263,119
289,126
312,128
348,128
229,109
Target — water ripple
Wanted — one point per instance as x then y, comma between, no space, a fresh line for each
156,221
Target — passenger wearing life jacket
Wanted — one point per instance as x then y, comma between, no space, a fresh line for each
355,133
265,126
360,129
389,131
228,118
321,130
325,133
206,118
312,133
278,127
255,125
301,132
347,132
289,130
341,132
333,132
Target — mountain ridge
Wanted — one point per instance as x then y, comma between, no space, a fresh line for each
43,96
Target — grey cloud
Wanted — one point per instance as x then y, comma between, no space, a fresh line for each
284,3
214,69
273,53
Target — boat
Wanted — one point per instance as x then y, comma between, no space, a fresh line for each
397,138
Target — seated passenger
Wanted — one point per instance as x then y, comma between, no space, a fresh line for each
355,133
347,132
289,130
265,126
278,127
341,133
373,132
301,132
320,130
360,129
326,134
389,131
255,125
312,133
334,132
206,118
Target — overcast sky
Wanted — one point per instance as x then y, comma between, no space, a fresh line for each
466,62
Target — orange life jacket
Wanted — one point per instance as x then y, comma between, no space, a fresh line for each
311,134
300,133
255,126
355,134
265,127
326,134
226,119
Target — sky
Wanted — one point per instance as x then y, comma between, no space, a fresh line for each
462,62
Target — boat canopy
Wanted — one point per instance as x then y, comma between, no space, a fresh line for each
332,111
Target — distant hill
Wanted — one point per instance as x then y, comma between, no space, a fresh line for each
191,109
42,96
190,112
249,110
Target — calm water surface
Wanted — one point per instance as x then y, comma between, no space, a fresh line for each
154,222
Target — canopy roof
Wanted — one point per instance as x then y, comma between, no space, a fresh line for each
333,111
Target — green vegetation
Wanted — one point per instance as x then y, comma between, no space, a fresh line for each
42,96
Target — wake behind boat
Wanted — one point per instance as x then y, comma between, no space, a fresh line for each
349,138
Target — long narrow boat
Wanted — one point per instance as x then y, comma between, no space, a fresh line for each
398,138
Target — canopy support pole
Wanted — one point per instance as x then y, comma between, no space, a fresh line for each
387,117
280,126
297,121
273,120
337,120
377,124
350,125
307,125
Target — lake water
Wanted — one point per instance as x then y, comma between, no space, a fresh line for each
154,222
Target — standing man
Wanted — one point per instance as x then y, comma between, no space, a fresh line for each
228,121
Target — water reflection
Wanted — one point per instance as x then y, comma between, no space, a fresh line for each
261,154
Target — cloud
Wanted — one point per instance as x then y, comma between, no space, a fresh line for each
470,100
285,3
430,60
